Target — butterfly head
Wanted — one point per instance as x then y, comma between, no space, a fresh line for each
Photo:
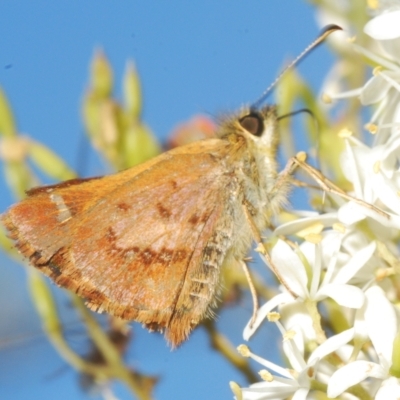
255,127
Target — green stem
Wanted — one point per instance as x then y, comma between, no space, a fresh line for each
311,306
117,368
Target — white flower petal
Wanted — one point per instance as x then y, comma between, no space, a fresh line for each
317,270
389,154
269,390
294,355
305,376
374,90
301,394
384,26
350,213
262,312
391,77
390,390
395,119
355,263
392,222
391,47
330,345
381,320
330,246
351,244
298,319
387,192
290,267
344,295
353,374
350,168
360,325
291,227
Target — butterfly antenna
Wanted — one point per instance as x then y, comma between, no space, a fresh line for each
322,36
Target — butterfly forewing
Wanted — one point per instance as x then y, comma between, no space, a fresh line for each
123,264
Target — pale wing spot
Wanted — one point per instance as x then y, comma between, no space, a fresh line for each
204,281
201,296
64,214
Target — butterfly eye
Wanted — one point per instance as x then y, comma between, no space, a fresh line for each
253,123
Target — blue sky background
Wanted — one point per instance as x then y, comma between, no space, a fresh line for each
192,57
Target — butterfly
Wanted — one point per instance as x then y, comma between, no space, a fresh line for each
148,243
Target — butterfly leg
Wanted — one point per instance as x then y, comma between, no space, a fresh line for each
325,184
262,250
252,290
267,258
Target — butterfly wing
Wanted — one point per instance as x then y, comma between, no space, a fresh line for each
144,244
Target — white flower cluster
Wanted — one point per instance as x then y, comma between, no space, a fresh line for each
351,256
